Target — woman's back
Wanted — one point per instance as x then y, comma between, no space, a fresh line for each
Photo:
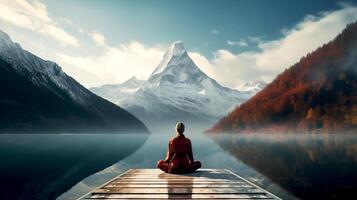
180,144
179,157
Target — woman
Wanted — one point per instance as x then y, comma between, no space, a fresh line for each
179,158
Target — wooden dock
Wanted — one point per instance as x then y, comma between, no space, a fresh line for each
155,184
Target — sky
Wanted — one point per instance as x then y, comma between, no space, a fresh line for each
232,41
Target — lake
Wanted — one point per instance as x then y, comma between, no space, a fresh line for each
43,166
68,166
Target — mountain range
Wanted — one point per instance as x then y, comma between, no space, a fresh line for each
177,90
36,96
317,94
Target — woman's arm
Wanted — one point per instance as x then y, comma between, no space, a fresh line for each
169,153
190,155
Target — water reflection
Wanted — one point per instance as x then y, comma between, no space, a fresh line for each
204,148
175,187
44,166
309,166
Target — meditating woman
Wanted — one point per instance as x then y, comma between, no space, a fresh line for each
179,158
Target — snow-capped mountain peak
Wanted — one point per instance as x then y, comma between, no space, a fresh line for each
115,92
176,49
176,67
176,90
133,82
174,54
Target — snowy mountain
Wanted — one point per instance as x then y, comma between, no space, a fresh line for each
253,86
37,96
177,90
115,92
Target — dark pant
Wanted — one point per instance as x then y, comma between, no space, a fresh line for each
178,169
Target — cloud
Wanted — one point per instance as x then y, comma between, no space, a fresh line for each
215,32
34,16
241,43
272,57
115,64
256,39
103,64
98,38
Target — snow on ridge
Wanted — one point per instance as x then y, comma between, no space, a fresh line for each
177,49
178,84
4,36
43,71
253,86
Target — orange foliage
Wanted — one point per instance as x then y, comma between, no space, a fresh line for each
316,94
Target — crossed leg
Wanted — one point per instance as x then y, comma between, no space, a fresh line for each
167,167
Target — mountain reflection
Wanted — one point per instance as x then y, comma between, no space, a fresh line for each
43,166
309,166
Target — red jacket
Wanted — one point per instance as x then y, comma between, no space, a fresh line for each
179,158
180,150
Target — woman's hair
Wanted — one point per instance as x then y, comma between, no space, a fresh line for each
180,127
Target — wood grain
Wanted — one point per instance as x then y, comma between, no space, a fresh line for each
155,184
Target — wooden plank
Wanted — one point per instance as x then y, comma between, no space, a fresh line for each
181,198
106,183
175,183
159,171
155,184
188,189
180,178
178,185
177,179
178,198
271,194
178,182
187,196
203,174
177,176
198,179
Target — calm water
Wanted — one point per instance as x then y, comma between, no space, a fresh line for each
291,166
45,166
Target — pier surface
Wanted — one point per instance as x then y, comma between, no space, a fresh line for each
155,184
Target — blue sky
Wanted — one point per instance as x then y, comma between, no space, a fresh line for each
194,22
233,41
